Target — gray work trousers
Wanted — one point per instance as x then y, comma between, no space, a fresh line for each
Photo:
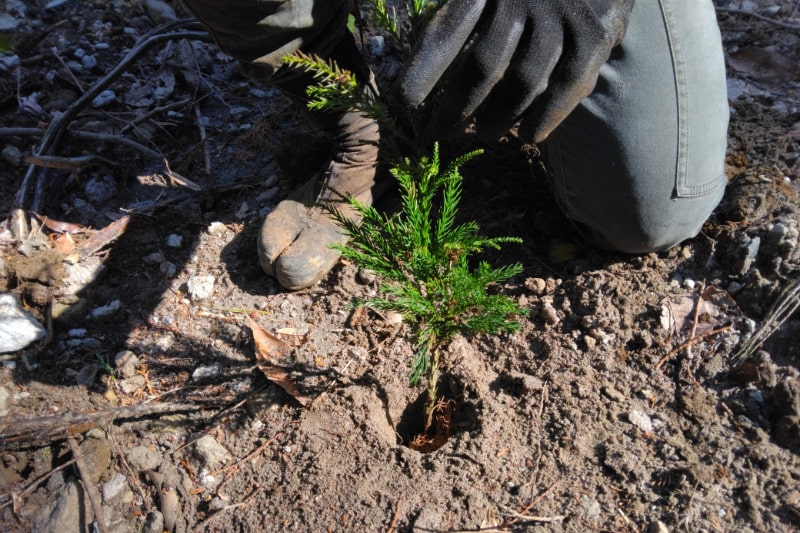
638,166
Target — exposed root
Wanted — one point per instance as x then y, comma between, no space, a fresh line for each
439,431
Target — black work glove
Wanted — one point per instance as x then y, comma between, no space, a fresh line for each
510,60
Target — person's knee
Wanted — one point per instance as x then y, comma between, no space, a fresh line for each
653,228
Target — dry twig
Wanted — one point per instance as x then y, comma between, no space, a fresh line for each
735,11
88,485
56,129
16,497
393,523
784,307
690,342
202,130
19,433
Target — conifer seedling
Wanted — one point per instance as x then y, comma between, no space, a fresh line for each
423,259
421,254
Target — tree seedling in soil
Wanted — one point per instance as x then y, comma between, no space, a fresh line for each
420,253
422,256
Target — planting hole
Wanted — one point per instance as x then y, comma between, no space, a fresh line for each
451,416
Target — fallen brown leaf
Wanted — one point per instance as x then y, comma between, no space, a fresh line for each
270,353
63,243
60,226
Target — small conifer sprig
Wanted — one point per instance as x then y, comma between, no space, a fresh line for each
338,90
422,256
418,12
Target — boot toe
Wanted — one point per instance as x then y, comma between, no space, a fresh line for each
295,245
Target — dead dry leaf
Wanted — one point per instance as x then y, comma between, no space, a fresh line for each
59,226
63,243
764,64
292,336
271,354
678,316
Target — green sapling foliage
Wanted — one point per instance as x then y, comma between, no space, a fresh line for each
418,12
422,255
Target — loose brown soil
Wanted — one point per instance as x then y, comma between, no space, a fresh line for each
589,419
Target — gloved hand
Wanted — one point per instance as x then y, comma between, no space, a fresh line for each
505,60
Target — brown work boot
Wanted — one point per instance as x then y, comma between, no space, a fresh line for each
295,241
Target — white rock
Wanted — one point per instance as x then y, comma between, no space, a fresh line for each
154,258
11,155
200,287
205,372
114,487
18,328
126,363
377,45
174,241
217,228
106,310
104,98
81,275
211,453
640,420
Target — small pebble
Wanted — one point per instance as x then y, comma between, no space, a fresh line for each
132,384
11,155
174,241
106,310
200,287
88,62
126,363
4,398
204,372
104,98
9,24
99,189
365,277
549,314
168,269
217,228
734,287
590,342
640,420
154,258
536,285
114,487
87,375
377,45
657,527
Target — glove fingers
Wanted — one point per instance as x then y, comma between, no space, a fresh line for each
526,79
474,79
443,39
575,81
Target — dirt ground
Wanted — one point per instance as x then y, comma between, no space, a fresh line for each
615,408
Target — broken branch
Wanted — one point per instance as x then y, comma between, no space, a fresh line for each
690,342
